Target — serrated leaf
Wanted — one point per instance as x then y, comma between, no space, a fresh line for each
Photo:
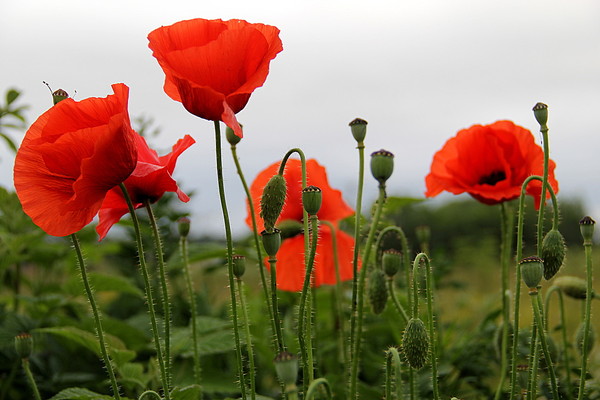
191,392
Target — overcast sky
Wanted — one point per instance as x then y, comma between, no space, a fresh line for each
417,71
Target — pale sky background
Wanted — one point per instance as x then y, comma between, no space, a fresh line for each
417,71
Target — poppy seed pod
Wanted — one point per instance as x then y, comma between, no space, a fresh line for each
59,95
311,199
415,343
272,200
540,111
24,345
358,127
573,287
382,165
579,339
553,252
532,270
286,367
378,293
392,261
271,242
232,138
183,226
586,226
239,266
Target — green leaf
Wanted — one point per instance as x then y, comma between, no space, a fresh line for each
12,95
82,394
9,142
104,283
191,392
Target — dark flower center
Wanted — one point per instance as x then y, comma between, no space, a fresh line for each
493,178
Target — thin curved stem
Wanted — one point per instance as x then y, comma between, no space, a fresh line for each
312,389
31,380
399,308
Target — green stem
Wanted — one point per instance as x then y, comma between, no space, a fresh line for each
357,228
234,316
249,349
534,358
588,311
399,308
393,360
164,287
535,302
275,304
563,328
99,331
190,289
149,295
312,389
31,381
540,224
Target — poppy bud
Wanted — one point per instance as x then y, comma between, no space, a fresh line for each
378,293
392,261
540,111
24,345
183,225
311,199
573,287
532,269
290,228
239,266
271,242
272,200
286,367
232,138
358,127
553,252
586,226
415,343
382,165
579,339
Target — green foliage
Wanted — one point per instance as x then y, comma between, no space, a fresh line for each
11,117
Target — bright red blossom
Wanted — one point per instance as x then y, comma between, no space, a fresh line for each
490,162
71,156
149,181
290,264
213,66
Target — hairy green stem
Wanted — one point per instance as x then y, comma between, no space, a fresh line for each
312,389
563,328
31,380
249,349
535,302
393,366
586,324
357,228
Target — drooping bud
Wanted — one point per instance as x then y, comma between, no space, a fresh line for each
232,138
553,252
311,199
579,339
378,293
271,242
382,165
532,270
540,111
392,261
358,127
286,367
24,345
586,226
239,265
573,287
415,343
183,226
272,200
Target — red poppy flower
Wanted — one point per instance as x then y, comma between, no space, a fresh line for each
290,264
490,162
149,181
71,157
213,66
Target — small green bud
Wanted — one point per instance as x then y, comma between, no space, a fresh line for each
532,270
286,367
586,226
24,345
271,242
183,225
358,127
579,339
311,199
378,293
392,261
553,252
272,200
239,265
290,228
573,287
232,138
415,343
540,111
382,165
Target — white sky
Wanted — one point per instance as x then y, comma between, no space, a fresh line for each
418,71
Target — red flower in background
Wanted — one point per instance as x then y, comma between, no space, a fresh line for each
490,162
149,181
290,264
213,66
71,156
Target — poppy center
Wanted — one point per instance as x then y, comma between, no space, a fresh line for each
492,178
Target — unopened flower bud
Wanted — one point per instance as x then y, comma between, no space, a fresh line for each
24,345
586,226
553,252
579,339
358,127
311,199
183,225
272,200
271,242
415,343
286,367
378,293
573,287
392,261
239,265
532,270
232,138
540,111
382,165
